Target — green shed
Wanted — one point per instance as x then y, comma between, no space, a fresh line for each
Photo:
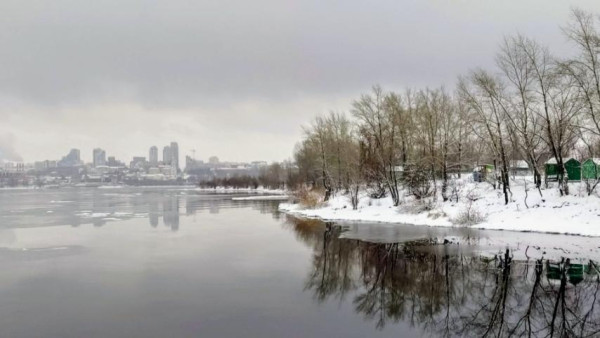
590,169
572,166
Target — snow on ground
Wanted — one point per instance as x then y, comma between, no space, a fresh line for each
576,214
262,198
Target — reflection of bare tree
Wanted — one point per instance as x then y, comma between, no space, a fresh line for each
524,326
332,268
448,295
489,319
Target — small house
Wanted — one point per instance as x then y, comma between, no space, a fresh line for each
572,168
400,171
519,168
590,169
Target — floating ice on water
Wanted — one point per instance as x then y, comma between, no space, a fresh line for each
262,198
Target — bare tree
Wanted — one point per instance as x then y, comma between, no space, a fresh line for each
519,72
317,138
585,69
379,116
557,124
484,95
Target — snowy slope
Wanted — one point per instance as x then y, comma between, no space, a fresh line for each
575,214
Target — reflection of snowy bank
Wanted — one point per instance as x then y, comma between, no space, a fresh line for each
487,243
528,211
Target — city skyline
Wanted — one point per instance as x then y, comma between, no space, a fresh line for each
99,157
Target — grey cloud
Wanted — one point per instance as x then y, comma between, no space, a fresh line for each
235,64
165,53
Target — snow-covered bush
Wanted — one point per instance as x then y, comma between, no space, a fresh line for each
469,216
416,207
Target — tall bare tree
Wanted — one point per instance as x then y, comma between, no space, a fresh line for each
524,123
484,95
379,116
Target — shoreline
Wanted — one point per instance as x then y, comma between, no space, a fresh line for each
301,214
486,241
573,215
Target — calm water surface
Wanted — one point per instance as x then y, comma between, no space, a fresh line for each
144,262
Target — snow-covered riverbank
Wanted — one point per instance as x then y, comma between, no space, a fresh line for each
577,214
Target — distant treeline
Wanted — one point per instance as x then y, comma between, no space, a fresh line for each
275,176
533,106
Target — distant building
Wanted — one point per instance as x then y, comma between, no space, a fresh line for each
138,162
259,164
519,168
72,159
166,170
99,157
213,160
175,156
14,167
153,156
154,171
189,163
167,155
193,165
39,165
44,165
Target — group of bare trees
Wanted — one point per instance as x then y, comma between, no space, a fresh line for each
274,176
533,106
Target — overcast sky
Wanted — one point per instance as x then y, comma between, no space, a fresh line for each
235,79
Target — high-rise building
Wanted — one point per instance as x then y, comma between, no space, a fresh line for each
99,157
166,155
153,157
71,160
175,156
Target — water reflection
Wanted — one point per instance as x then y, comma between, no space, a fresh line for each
153,213
171,212
451,295
77,207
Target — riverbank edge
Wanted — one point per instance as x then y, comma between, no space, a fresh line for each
418,219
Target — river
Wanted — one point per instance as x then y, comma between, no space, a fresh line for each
176,262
